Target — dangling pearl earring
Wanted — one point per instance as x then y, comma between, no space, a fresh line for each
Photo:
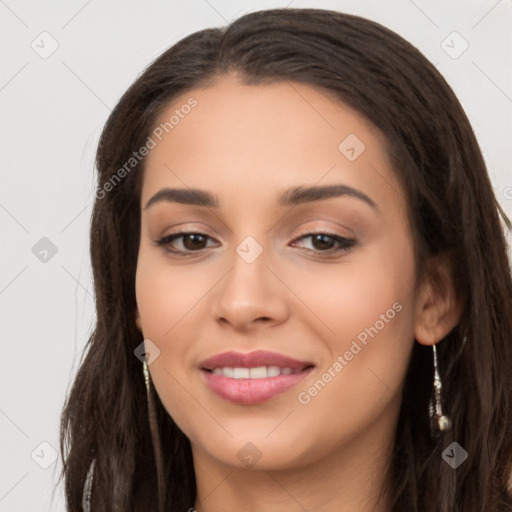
146,374
437,418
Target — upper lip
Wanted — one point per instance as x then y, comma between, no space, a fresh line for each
254,359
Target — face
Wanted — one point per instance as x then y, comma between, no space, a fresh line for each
283,317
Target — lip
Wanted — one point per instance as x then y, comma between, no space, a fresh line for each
252,391
252,360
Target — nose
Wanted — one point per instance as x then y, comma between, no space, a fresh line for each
250,296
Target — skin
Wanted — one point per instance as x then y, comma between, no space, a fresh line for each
247,145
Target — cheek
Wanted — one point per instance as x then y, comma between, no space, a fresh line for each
366,310
171,301
346,299
167,295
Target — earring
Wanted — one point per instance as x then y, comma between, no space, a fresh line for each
155,438
146,374
86,495
437,418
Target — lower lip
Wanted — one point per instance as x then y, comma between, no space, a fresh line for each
252,391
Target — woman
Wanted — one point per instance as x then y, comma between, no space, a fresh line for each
302,287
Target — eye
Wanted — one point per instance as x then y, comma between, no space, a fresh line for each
328,243
192,241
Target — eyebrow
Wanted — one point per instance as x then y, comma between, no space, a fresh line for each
291,197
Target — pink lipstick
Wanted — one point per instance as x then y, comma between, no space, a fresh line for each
254,377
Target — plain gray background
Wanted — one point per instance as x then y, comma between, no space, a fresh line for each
53,108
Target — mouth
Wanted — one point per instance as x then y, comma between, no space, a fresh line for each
258,372
253,377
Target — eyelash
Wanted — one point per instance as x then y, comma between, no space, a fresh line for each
346,244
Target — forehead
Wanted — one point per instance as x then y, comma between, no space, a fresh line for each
265,137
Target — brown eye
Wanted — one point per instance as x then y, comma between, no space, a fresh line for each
322,243
191,242
327,243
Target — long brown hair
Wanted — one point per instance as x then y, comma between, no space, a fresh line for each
452,210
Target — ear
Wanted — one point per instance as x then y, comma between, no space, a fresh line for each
137,319
438,309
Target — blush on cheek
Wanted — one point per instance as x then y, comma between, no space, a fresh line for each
164,297
347,308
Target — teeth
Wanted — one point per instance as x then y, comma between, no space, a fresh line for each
260,372
241,373
228,372
273,371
